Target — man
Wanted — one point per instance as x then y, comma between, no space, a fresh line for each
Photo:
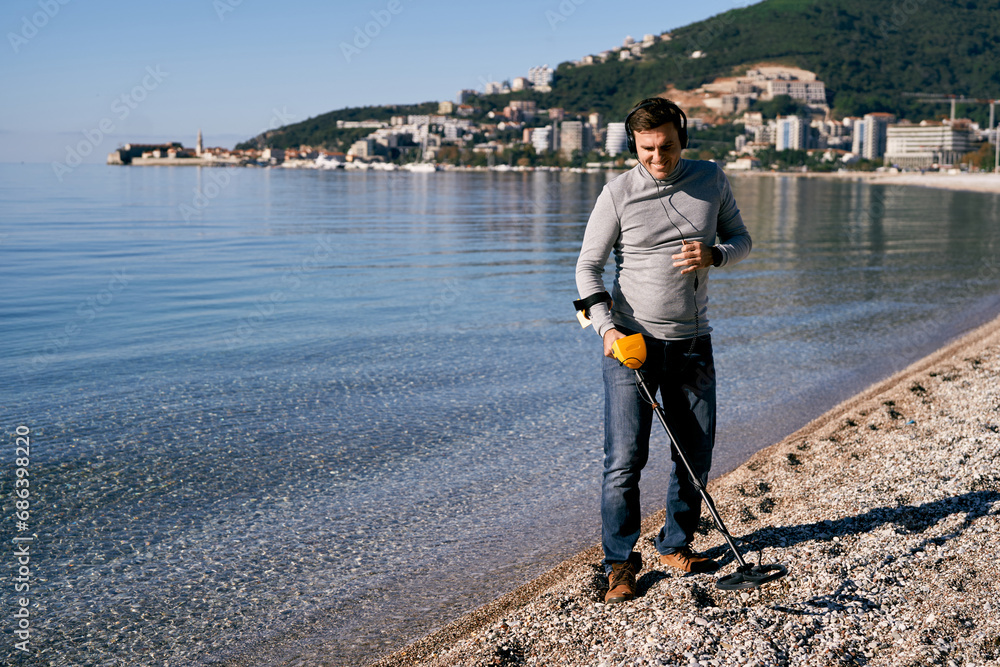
661,220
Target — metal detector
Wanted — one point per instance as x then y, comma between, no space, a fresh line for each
630,351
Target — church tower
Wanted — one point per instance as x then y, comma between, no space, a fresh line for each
198,148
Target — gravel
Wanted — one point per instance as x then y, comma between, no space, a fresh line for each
885,511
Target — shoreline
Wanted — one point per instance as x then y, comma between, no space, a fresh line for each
964,182
933,428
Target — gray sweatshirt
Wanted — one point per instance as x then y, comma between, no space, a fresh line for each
644,221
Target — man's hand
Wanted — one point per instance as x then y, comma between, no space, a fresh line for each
610,336
694,255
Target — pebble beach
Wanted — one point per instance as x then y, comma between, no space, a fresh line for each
885,510
975,182
962,181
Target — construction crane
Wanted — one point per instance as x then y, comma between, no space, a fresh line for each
955,99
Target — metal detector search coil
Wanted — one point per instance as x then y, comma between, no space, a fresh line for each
631,352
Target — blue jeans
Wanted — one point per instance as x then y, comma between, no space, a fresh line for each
686,384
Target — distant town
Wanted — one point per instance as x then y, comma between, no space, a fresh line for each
728,120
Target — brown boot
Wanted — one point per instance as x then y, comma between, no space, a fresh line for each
689,561
621,581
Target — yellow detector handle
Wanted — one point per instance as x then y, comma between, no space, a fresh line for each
630,351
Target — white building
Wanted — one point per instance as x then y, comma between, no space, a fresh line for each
363,148
389,138
519,83
792,134
744,164
614,142
273,155
762,134
542,137
527,109
730,103
875,134
428,119
927,144
541,78
858,137
811,92
361,124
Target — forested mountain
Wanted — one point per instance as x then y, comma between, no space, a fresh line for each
869,54
873,56
322,130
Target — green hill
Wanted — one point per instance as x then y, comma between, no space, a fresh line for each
869,54
322,130
873,56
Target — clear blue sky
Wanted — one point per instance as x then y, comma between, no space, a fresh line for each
234,67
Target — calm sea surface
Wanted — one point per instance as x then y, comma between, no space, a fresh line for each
278,414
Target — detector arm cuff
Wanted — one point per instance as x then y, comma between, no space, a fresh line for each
583,306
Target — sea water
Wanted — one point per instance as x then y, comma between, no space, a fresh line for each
279,414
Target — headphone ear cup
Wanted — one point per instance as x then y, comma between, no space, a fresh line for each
629,135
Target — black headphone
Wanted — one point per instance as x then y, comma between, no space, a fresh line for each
682,134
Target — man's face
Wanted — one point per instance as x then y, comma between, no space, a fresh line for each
659,149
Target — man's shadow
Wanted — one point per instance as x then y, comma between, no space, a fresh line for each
908,520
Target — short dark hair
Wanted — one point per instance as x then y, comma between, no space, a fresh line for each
655,112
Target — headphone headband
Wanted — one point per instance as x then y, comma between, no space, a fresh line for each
682,134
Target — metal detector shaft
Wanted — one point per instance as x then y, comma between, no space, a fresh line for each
694,478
